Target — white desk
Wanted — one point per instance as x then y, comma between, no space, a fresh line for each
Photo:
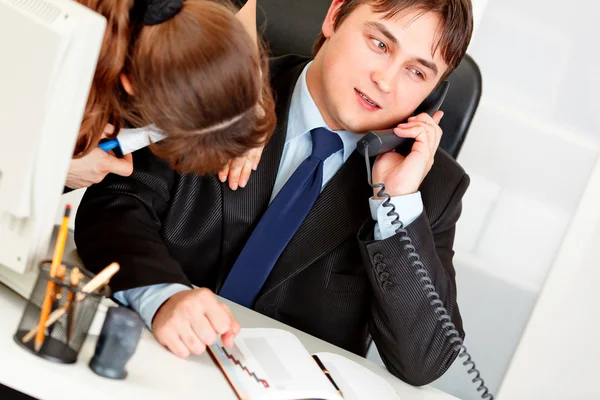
154,373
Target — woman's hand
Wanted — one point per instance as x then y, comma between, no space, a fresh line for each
93,167
239,169
247,15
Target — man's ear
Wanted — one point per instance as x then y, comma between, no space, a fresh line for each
329,23
126,83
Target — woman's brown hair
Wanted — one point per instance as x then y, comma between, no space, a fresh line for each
196,76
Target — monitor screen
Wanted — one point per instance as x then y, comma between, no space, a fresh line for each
49,52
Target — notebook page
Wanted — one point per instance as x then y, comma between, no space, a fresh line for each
272,364
355,381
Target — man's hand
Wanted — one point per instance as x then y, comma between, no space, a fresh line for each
239,169
403,175
93,167
193,319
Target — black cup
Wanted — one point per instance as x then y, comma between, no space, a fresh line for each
117,342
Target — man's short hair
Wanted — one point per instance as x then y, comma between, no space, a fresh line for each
456,15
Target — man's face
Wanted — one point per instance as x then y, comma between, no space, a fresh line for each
372,73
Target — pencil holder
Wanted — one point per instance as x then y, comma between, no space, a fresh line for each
68,317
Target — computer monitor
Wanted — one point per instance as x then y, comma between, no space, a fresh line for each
49,50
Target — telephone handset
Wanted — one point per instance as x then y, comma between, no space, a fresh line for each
379,142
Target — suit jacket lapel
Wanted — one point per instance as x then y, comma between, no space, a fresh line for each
340,210
243,208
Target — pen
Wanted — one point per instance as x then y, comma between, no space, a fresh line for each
108,145
50,295
130,140
326,372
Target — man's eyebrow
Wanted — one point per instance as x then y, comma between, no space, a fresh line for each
385,32
428,64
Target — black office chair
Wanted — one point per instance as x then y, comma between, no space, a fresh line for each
291,27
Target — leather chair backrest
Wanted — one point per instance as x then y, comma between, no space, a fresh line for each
291,27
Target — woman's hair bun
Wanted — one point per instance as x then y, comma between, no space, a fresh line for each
159,11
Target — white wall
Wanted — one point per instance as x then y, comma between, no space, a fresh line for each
559,352
530,153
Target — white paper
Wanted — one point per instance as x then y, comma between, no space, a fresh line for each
272,364
355,381
138,138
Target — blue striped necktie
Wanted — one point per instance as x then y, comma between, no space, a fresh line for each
280,222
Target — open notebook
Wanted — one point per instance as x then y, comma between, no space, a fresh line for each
272,364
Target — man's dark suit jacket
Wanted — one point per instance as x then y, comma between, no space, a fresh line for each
332,281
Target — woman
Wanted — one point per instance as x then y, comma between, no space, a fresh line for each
192,69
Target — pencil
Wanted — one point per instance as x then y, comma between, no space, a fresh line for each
59,249
74,282
61,272
94,284
57,293
326,372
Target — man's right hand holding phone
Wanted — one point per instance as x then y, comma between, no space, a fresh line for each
193,319
404,175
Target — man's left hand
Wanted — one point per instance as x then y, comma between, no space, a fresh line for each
403,175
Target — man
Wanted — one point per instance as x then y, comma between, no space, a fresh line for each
344,274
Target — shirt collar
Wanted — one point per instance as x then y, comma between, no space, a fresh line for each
304,115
